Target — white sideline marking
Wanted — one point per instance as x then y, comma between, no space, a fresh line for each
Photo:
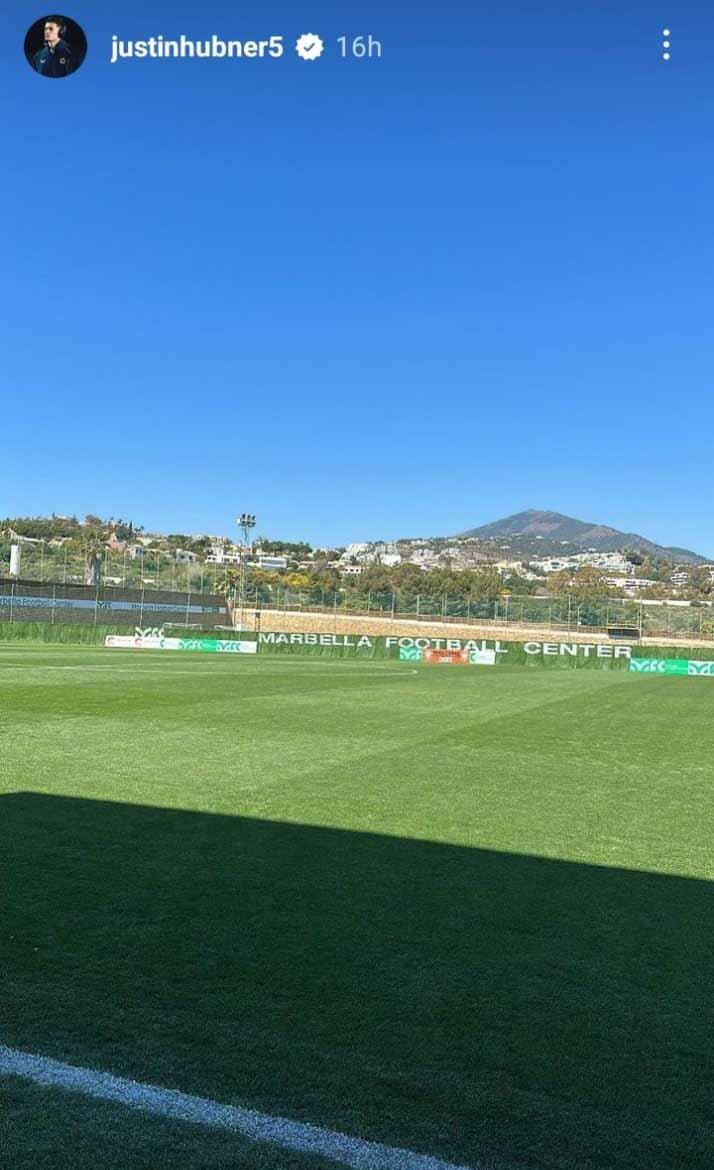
258,1127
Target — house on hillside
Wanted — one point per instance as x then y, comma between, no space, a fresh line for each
630,585
273,563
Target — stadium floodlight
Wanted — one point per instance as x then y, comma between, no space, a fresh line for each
246,521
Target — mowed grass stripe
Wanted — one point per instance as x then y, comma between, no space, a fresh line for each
238,746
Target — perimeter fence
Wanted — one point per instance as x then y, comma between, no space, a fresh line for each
565,613
36,601
62,602
150,569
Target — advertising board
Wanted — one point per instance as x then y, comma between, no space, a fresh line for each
679,666
158,642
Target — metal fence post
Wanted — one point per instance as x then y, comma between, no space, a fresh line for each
12,600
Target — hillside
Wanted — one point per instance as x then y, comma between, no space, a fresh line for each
545,533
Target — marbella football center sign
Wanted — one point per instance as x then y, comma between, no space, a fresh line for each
581,649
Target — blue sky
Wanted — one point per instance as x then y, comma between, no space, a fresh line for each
364,298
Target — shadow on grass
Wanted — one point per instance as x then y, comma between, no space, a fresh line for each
456,1001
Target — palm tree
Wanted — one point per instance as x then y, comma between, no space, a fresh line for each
93,547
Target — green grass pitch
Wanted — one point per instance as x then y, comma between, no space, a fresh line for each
466,911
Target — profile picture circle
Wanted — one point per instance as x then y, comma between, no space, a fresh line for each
55,46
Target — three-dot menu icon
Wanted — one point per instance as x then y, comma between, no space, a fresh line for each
666,44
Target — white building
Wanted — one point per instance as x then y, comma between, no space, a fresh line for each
222,552
554,564
614,562
223,556
630,585
356,549
272,563
424,557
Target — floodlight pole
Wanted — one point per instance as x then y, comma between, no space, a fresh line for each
245,522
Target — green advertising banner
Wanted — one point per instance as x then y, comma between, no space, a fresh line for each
534,654
324,645
410,654
218,645
149,641
662,659
686,666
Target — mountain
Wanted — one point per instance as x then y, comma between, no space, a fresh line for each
536,531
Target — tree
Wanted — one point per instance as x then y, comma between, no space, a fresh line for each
486,584
409,580
323,577
657,592
633,557
297,580
587,584
228,582
560,582
298,550
93,548
200,544
700,582
375,579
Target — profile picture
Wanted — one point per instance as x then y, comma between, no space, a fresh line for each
55,46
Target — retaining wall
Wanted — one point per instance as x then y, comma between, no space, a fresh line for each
323,623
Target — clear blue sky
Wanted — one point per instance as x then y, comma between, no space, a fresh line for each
366,298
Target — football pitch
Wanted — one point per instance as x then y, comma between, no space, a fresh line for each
462,912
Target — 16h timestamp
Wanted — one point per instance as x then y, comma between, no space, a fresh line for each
365,46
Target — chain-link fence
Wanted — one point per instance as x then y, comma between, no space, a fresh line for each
167,592
651,619
149,569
